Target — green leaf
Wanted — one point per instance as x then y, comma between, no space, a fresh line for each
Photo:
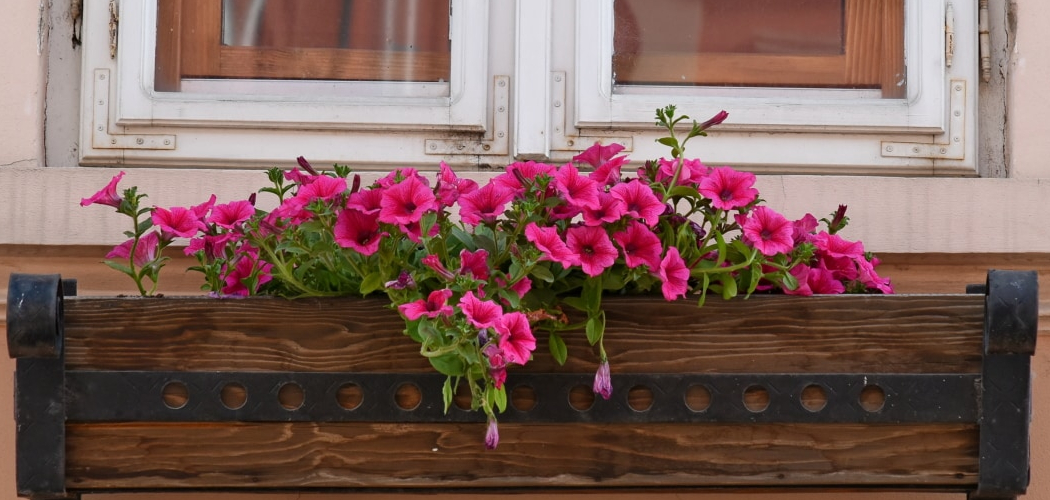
575,303
592,293
412,330
446,393
371,283
729,287
558,349
449,364
596,328
543,273
499,396
144,226
685,192
119,267
789,281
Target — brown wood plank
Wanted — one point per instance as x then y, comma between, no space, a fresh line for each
169,60
308,455
201,36
764,334
863,41
331,64
893,72
731,69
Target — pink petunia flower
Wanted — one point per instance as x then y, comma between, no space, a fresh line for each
674,274
497,364
368,201
610,209
592,248
474,263
323,187
406,201
870,279
768,231
247,266
145,251
729,189
201,211
577,190
550,243
485,204
515,337
177,221
803,229
434,262
358,230
106,196
436,304
491,435
213,246
640,245
692,171
231,214
414,231
480,313
597,154
400,175
450,187
603,380
639,201
513,175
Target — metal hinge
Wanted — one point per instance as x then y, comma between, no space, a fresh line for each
102,138
495,142
114,23
949,35
954,149
561,138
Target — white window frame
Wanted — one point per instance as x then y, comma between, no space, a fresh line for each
806,130
238,128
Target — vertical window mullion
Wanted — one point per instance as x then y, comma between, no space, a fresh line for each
531,82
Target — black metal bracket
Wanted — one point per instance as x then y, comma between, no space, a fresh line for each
1011,317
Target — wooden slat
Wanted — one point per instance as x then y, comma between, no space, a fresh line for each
893,71
764,334
201,36
731,69
331,64
863,41
169,59
312,455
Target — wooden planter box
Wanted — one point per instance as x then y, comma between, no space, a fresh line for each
927,392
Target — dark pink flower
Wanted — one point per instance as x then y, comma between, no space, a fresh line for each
768,231
592,248
399,175
485,204
577,190
803,229
692,171
404,281
674,274
201,211
406,201
298,177
177,221
801,274
640,245
368,201
106,196
213,246
324,187
497,364
492,435
610,209
870,279
145,251
358,230
714,120
450,187
474,263
247,268
728,188
822,281
480,313
639,201
603,380
231,214
550,243
515,337
436,304
434,262
597,154
839,255
515,172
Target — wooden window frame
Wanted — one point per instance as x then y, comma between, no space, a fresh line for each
873,57
191,47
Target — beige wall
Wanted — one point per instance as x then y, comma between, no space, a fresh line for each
905,216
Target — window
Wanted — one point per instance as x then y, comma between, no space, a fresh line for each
812,86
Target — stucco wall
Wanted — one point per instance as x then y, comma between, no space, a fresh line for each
22,122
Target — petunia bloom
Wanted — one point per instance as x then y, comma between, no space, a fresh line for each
177,221
358,230
639,201
480,313
107,195
436,304
406,201
145,251
674,274
492,435
603,380
729,189
229,215
474,263
609,210
578,191
639,245
592,248
450,187
485,204
515,337
768,231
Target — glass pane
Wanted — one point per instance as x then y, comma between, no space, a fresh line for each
758,43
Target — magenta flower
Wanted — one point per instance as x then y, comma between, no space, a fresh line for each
610,209
674,274
603,380
577,190
406,201
820,280
870,279
231,214
414,231
592,248
297,177
358,230
480,313
145,251
213,246
550,243
512,177
803,229
201,211
368,201
515,337
436,304
404,281
474,263
497,364
728,188
640,245
107,195
597,154
400,175
492,435
450,187
323,187
691,173
639,201
177,221
768,231
485,204
434,262
247,269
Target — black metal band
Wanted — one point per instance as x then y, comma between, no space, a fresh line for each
34,316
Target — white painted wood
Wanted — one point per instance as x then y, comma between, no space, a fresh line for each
817,113
531,82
